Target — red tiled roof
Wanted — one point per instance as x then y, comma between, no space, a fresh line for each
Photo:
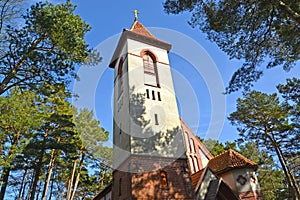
139,33
196,176
229,160
138,28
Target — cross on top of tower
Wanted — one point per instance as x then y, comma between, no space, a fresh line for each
136,12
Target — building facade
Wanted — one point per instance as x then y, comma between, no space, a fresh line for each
149,154
155,155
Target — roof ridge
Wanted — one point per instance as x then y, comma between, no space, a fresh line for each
231,153
243,157
140,29
230,159
224,152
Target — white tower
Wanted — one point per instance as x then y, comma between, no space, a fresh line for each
149,155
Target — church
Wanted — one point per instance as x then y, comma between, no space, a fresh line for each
156,155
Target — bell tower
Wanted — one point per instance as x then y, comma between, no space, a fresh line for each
149,158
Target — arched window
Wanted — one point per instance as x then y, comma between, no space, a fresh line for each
187,144
120,77
150,69
196,164
148,61
192,145
163,179
192,164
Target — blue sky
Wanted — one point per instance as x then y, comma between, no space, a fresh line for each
194,89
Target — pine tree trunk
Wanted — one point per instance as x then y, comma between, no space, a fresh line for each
51,188
70,184
22,184
38,189
38,168
23,192
78,176
30,186
7,169
48,176
5,175
292,184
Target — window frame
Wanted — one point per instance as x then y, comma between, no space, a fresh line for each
151,60
120,77
163,179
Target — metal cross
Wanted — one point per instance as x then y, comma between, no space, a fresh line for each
136,12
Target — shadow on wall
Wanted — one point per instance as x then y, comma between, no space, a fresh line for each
145,140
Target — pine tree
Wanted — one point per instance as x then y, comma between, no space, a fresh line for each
47,48
19,117
258,32
261,117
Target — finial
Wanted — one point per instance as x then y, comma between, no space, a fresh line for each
136,12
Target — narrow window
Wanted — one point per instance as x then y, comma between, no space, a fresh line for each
120,132
120,77
163,179
153,95
196,164
156,119
187,144
148,64
192,145
150,70
158,96
120,186
147,94
192,164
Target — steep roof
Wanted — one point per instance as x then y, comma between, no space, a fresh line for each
196,177
139,33
218,189
230,160
138,28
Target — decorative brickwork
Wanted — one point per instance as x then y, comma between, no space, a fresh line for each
142,182
251,195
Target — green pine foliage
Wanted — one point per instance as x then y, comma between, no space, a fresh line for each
258,32
48,148
47,48
270,123
216,148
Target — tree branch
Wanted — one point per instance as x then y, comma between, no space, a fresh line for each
13,72
2,15
291,13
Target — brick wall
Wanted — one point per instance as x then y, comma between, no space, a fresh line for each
251,195
143,181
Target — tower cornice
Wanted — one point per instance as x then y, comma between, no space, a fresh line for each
139,36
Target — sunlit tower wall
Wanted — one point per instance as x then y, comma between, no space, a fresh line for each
149,156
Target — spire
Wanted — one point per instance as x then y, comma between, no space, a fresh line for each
136,12
138,28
